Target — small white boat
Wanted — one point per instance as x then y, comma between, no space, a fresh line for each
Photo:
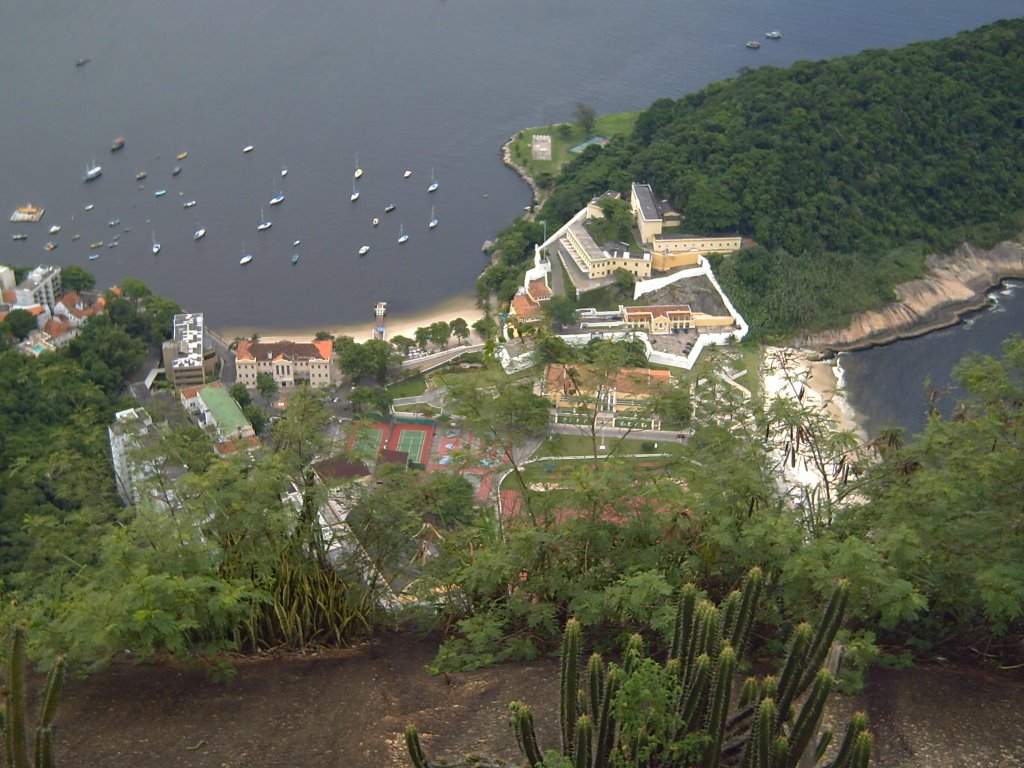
753,44
160,193
93,256
296,244
113,222
89,207
156,245
402,237
295,258
19,237
92,172
76,237
246,257
364,250
284,169
188,203
176,170
407,174
355,192
375,221
140,175
200,233
264,225
277,199
247,149
55,229
774,35
433,182
389,208
433,219
358,171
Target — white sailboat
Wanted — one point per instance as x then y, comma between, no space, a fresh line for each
246,257
364,250
358,171
355,192
402,237
92,171
156,245
200,232
433,182
278,197
264,225
433,218
284,169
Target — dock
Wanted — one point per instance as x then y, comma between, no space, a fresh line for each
27,213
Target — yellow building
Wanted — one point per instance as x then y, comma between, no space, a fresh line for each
596,262
288,362
627,393
667,318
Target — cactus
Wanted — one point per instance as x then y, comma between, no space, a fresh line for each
759,729
412,743
15,735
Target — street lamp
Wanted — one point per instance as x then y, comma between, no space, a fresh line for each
545,231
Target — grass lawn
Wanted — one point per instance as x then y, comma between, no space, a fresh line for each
565,136
414,385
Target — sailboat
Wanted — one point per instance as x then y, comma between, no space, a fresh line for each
355,192
246,257
264,225
284,169
200,232
156,245
433,183
359,171
92,172
433,218
278,197
295,258
402,237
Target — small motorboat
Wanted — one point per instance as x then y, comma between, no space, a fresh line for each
160,193
97,244
19,236
375,221
402,237
364,250
140,175
76,237
92,172
82,62
156,245
247,149
245,259
753,44
389,208
296,244
55,229
188,203
284,169
200,233
112,245
176,170
407,174
113,222
182,155
93,256
127,229
774,35
116,237
117,144
50,246
295,258
89,207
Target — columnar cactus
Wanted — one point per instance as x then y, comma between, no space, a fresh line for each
14,724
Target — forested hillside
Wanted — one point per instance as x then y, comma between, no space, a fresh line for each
844,172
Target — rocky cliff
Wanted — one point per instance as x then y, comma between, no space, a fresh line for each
953,286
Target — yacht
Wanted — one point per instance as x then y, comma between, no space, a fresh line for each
407,174
246,257
433,219
92,172
776,35
355,192
19,236
264,225
753,44
433,182
200,233
246,150
364,250
188,203
55,229
402,237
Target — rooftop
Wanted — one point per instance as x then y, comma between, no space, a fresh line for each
289,350
224,409
648,205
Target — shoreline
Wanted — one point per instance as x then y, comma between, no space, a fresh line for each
953,288
396,325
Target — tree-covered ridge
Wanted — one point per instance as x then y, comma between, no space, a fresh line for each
830,165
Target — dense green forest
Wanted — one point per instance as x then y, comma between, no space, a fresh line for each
844,172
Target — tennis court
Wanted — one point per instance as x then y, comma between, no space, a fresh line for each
413,439
369,440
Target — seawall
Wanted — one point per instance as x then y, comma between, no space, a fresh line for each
953,286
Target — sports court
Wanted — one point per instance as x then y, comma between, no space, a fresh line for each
370,439
413,439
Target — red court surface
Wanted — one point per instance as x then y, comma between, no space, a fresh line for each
414,439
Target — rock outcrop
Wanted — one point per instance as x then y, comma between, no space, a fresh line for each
953,286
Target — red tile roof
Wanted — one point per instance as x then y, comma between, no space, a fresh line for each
538,290
524,307
55,327
283,350
662,310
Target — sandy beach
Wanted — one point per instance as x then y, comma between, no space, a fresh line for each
396,325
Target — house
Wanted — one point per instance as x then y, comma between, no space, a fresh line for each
288,362
615,398
75,309
670,250
526,304
189,358
216,410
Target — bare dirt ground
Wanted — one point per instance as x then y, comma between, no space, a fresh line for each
350,709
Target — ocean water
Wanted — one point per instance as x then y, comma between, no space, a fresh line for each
312,84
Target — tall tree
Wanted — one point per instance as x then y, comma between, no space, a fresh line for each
585,116
74,278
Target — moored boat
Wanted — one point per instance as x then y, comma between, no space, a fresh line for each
433,219
54,229
181,155
774,35
19,236
89,207
295,258
389,208
264,225
117,144
407,174
188,203
50,246
364,250
402,237
245,259
375,221
93,256
355,192
753,44
358,171
433,182
160,193
27,213
140,175
199,234
156,245
176,170
247,149
92,172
